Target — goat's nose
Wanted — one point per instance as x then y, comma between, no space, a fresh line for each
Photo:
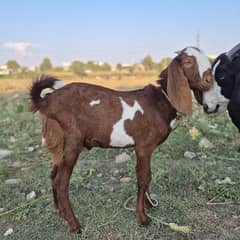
205,107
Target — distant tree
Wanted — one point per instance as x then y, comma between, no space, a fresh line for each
13,65
148,63
119,66
77,67
46,64
105,67
131,69
163,63
91,65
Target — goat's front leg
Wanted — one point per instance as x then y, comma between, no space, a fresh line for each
143,171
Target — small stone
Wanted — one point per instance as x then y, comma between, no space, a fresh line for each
108,188
121,158
15,96
30,196
213,126
226,180
13,181
99,175
8,232
125,179
205,143
89,186
12,139
25,168
116,172
43,191
1,209
31,149
16,164
190,155
201,187
4,153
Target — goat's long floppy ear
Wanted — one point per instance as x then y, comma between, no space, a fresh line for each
178,88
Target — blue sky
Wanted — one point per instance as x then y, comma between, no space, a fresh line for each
114,31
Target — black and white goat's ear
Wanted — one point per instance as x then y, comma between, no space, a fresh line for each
232,53
178,88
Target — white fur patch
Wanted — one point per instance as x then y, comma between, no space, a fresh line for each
58,84
45,92
214,67
213,96
94,102
43,141
202,60
119,137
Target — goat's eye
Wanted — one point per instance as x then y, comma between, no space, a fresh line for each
187,64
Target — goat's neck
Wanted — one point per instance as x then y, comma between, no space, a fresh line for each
170,112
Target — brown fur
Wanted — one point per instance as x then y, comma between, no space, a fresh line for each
69,123
178,88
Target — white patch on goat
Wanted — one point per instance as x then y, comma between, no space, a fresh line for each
213,96
94,102
214,67
119,137
45,92
43,141
58,84
202,60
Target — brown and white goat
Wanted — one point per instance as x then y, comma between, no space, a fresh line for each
80,115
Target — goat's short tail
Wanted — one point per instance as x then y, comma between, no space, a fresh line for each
41,87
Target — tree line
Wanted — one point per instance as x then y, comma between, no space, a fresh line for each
79,67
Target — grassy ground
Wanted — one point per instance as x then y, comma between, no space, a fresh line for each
183,186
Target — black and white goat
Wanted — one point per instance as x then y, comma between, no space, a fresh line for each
225,92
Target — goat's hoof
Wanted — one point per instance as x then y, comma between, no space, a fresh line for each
144,220
75,230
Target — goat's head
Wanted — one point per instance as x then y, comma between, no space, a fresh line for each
190,69
218,96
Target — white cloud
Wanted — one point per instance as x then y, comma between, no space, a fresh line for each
19,47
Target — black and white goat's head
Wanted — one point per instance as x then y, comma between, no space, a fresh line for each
224,69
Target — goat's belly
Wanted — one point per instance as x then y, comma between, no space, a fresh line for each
120,142
120,138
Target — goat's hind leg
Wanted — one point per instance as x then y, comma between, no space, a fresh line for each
53,175
62,179
53,139
57,158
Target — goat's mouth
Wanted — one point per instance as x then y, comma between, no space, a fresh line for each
208,111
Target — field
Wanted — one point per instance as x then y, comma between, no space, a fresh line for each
115,81
182,186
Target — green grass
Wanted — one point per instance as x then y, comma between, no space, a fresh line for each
183,186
